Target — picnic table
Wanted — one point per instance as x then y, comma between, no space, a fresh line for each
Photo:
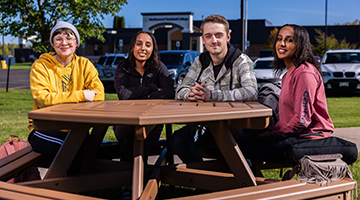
220,117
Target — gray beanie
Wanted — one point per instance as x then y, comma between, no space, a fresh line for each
62,24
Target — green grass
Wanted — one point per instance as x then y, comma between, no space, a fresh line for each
20,66
344,111
15,104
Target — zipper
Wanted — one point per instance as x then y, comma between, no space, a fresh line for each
141,82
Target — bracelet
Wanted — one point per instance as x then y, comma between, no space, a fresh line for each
210,96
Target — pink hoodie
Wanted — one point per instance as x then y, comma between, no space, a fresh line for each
302,105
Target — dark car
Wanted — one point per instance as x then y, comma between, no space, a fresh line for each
106,67
108,63
178,63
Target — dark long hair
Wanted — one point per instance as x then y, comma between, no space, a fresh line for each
303,52
152,64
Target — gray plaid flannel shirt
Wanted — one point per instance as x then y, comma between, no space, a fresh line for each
244,86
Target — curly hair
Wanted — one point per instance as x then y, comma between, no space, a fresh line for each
303,53
152,64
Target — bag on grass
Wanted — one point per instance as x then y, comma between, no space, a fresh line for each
32,173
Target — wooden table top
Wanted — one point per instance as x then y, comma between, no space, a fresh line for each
149,112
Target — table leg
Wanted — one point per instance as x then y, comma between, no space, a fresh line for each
170,153
232,154
94,141
138,168
67,153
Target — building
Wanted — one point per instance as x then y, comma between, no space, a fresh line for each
178,30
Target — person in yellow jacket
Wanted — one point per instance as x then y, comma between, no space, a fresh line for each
61,77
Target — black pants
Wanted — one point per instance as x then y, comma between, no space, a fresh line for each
192,143
125,135
262,148
48,144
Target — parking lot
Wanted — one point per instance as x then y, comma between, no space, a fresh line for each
19,79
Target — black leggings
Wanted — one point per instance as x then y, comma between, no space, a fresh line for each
48,144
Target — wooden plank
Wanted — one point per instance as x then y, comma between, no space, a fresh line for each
138,169
153,113
142,131
84,183
232,154
94,141
284,190
14,191
202,179
12,157
8,171
67,153
6,194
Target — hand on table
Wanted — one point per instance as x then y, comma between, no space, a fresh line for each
199,93
89,95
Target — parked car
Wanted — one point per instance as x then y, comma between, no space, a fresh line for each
100,66
107,64
264,72
112,62
178,63
106,67
341,70
318,58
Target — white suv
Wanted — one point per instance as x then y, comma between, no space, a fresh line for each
264,72
341,70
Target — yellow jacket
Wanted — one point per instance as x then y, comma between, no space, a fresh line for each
51,83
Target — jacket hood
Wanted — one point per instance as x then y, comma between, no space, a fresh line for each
230,57
49,60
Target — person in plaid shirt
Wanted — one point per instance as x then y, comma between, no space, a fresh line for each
222,73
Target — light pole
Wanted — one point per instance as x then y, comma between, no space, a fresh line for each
3,47
242,35
325,24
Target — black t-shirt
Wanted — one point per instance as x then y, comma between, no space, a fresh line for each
216,69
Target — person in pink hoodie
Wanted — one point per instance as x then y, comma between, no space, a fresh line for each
303,109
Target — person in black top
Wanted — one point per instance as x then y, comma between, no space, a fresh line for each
141,76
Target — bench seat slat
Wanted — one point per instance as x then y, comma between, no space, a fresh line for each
9,170
16,155
24,192
291,189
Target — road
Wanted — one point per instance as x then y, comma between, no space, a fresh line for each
18,79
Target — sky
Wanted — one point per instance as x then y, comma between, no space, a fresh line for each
277,12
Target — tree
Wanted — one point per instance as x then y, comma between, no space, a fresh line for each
356,22
271,39
119,22
29,18
8,48
331,43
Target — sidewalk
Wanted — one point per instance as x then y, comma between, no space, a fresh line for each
351,134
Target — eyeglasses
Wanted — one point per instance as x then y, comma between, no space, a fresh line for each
69,40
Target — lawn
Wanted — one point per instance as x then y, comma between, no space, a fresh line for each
15,104
20,66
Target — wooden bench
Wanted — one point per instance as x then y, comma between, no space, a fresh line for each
14,191
291,189
13,164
